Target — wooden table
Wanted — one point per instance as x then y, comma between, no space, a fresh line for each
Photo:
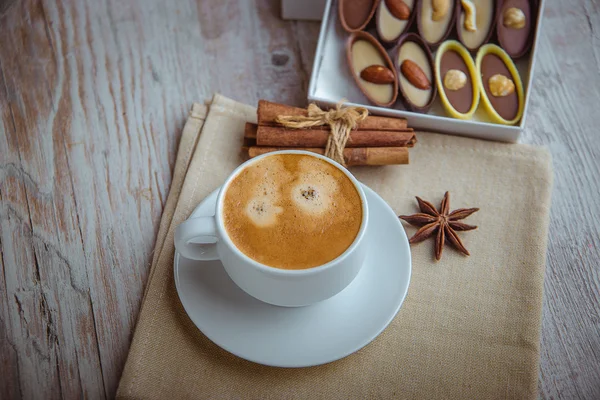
93,96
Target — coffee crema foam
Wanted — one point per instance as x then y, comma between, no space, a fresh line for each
292,211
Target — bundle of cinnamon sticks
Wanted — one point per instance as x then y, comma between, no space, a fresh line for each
376,141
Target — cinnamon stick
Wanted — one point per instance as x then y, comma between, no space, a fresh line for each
353,157
250,130
278,136
268,111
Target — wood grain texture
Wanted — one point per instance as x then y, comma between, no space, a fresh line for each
93,96
563,116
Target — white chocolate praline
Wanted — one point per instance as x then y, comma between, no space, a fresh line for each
433,31
390,27
484,13
364,54
470,13
412,51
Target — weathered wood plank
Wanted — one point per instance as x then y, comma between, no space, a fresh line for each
51,321
93,100
563,116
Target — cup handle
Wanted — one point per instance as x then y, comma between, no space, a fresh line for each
202,229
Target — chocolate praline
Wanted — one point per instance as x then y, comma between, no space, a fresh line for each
355,15
516,42
382,95
390,28
462,99
486,11
410,93
506,106
434,32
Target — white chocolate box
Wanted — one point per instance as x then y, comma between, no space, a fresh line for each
331,81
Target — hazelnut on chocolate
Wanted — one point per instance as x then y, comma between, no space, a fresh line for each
435,19
455,79
514,18
501,85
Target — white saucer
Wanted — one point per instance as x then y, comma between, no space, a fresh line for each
302,336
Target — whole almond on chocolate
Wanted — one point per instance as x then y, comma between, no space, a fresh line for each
415,75
377,74
398,8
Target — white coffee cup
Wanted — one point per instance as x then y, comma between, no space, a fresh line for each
282,287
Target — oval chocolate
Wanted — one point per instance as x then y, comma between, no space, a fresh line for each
485,11
364,51
434,29
506,106
412,48
356,14
461,99
389,28
513,39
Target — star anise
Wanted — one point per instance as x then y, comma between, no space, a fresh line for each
443,223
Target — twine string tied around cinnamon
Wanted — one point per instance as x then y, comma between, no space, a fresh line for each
341,121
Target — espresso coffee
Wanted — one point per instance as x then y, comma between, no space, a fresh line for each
292,211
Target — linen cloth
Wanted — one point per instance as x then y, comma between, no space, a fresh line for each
469,327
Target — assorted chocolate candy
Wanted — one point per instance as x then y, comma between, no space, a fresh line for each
415,63
456,79
514,26
393,18
475,22
435,19
412,29
372,69
501,86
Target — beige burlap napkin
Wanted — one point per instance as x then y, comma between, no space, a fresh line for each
469,327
